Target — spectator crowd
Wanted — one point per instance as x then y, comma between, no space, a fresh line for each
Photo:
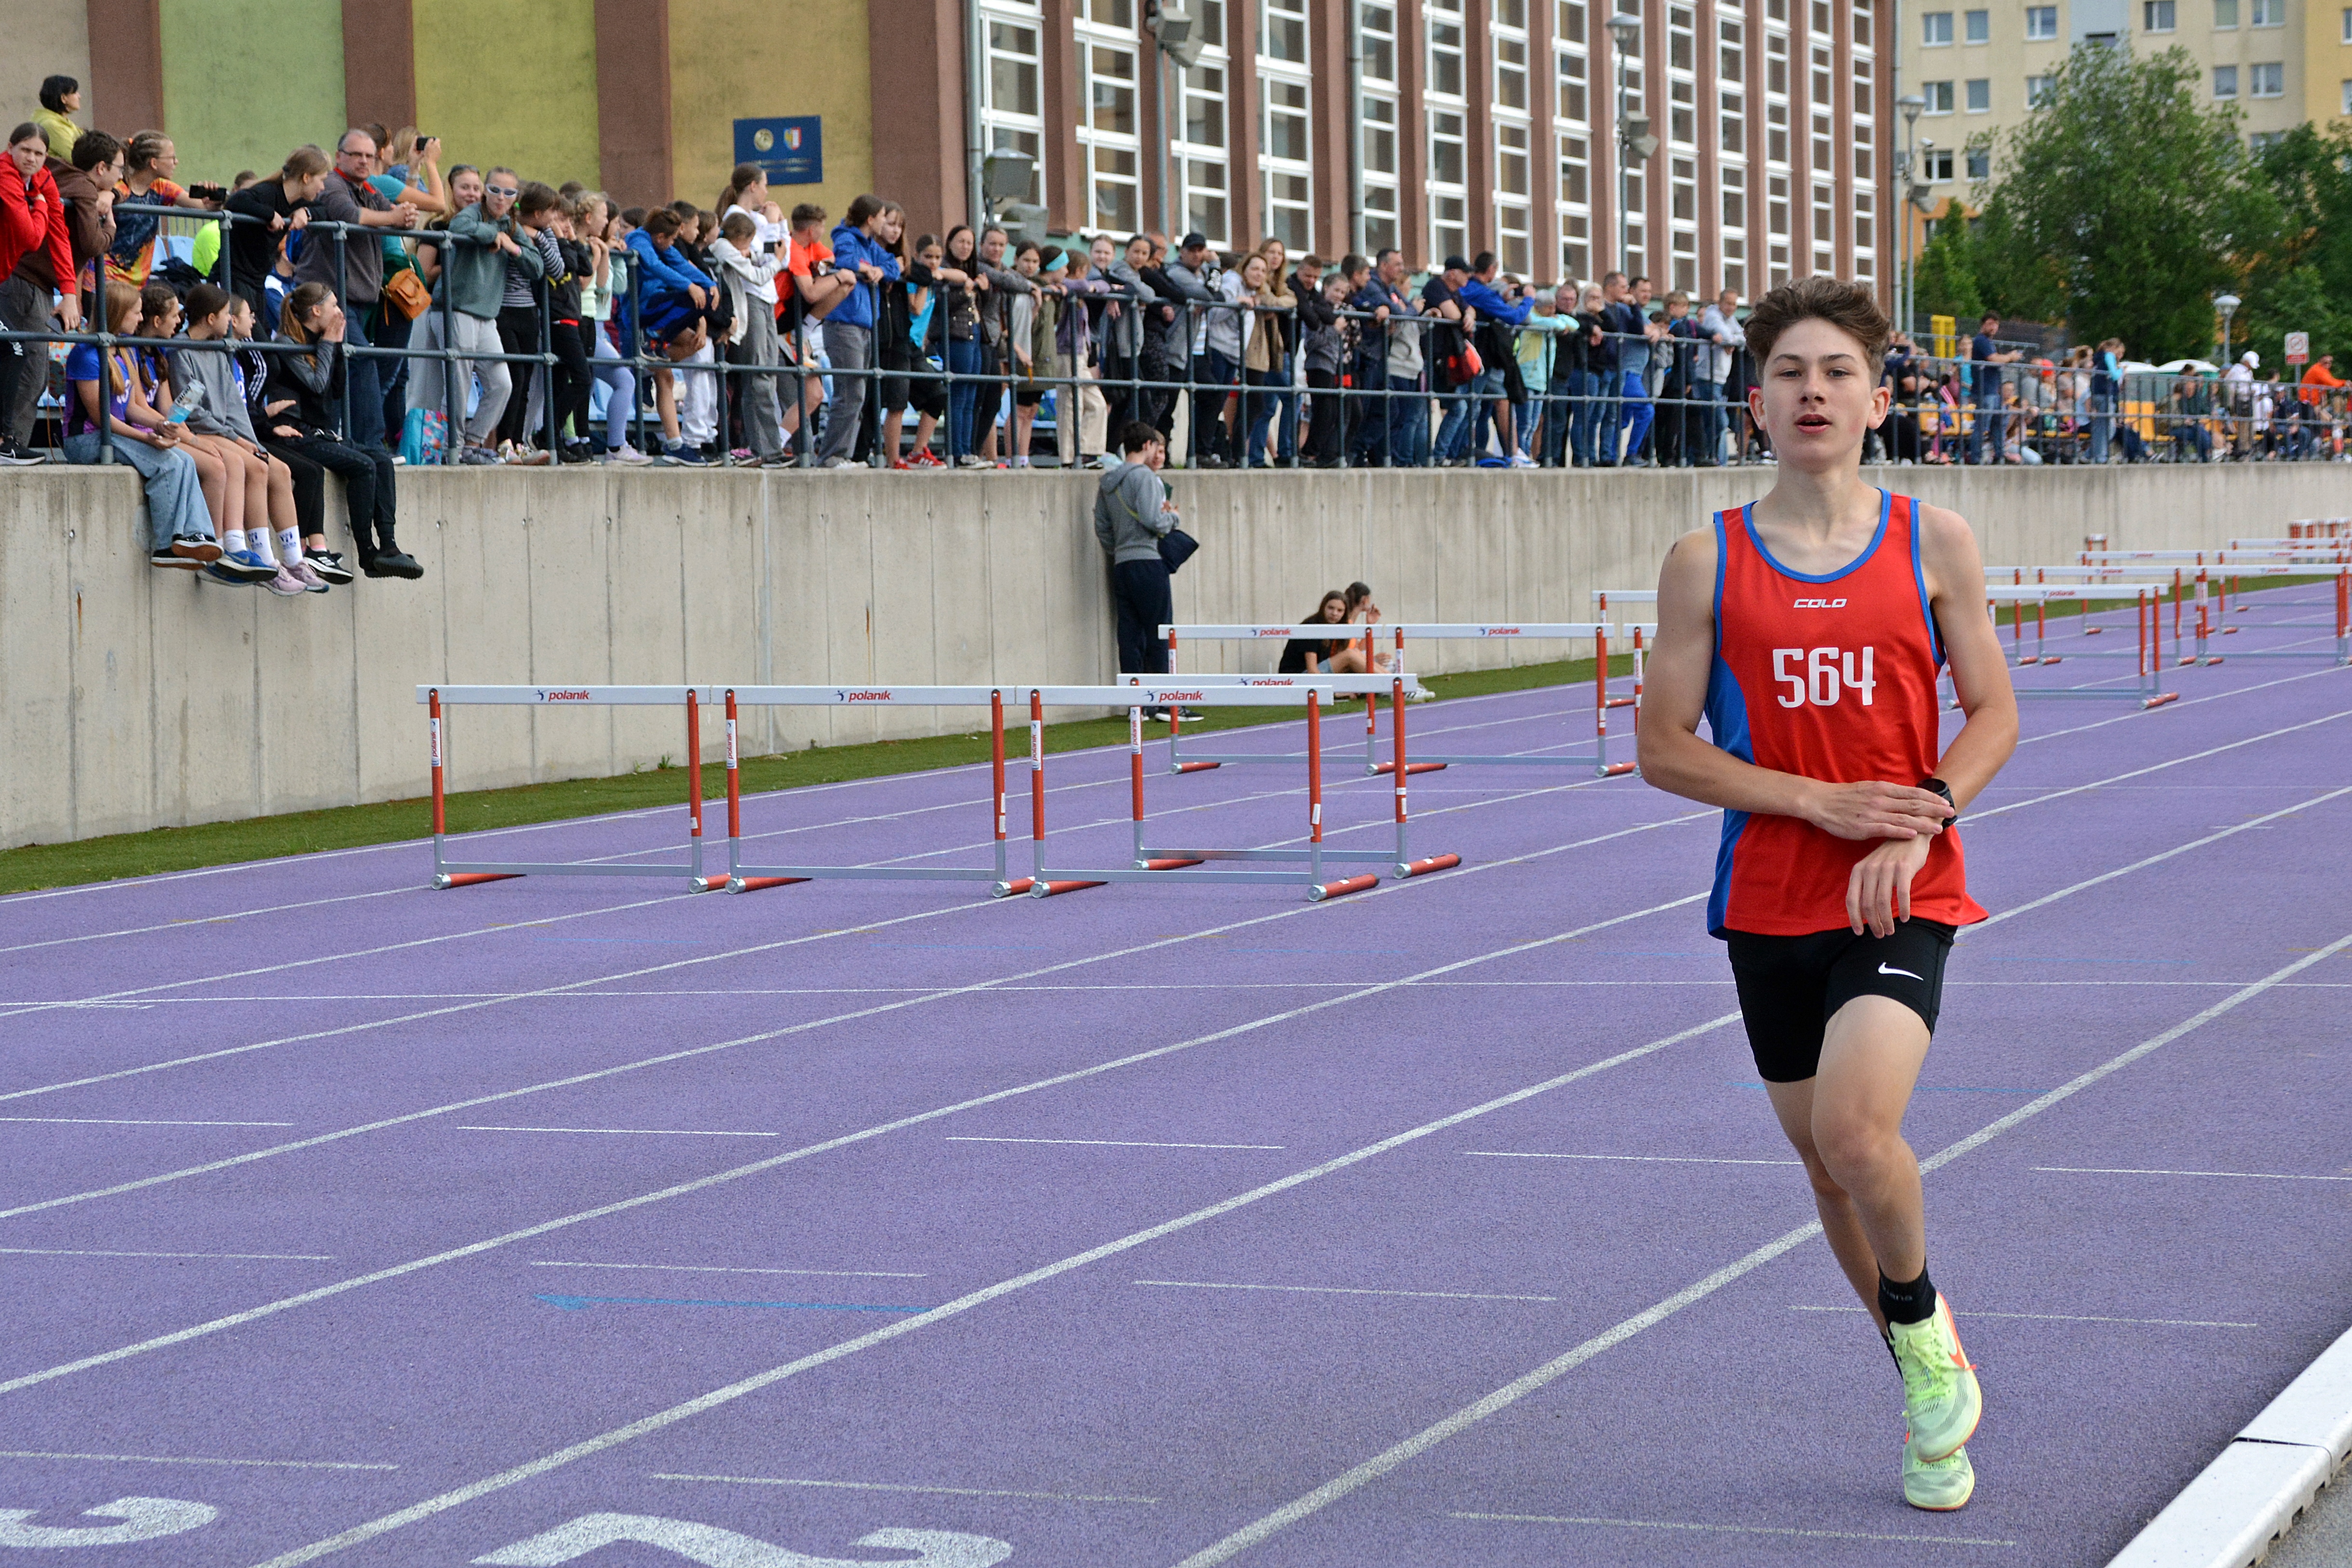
367,307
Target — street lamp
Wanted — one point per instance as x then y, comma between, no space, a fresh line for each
1911,104
2227,303
1635,141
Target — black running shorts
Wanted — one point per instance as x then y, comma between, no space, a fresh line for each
1790,986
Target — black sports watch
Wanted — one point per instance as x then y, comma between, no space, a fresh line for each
1937,786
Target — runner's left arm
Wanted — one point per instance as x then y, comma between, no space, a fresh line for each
1878,890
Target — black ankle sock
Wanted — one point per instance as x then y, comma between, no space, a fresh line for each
1912,1303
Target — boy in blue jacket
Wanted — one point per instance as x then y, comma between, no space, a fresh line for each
865,241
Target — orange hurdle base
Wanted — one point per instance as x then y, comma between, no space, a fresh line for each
1409,768
1197,767
1616,770
449,880
2160,700
1050,889
1434,863
1166,864
753,884
1343,886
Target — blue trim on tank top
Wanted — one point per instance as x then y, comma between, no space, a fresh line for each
1885,506
1726,719
1919,576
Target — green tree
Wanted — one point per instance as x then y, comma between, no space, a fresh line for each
2298,276
1945,278
2119,204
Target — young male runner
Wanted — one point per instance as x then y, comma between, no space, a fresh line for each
1807,629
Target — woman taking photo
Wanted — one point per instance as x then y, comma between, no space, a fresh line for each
298,407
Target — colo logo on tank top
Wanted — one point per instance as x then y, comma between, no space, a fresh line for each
1834,678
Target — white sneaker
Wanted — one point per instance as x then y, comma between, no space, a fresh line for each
839,463
302,572
1521,460
624,453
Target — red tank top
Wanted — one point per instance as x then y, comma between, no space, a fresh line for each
1832,677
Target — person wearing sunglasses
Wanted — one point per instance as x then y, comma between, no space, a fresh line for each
482,240
352,266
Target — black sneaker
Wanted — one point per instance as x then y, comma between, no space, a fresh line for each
396,563
574,452
14,457
167,556
328,564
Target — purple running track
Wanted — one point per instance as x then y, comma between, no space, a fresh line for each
1167,1225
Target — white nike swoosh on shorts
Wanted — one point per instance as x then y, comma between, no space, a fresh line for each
1904,973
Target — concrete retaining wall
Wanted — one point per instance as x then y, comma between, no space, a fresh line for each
132,698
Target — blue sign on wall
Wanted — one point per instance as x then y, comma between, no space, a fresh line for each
791,149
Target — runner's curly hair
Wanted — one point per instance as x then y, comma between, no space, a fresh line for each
1851,308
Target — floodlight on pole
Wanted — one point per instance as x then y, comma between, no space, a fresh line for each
1625,32
2227,303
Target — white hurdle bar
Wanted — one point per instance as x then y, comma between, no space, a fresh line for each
2147,615
1598,632
448,873
1153,864
744,877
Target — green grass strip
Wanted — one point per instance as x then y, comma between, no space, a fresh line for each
37,866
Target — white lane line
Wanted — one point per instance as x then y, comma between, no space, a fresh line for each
96,1252
862,1135
140,1121
2175,707
2071,1318
1648,1159
639,1131
902,1487
1736,1529
206,919
492,1001
1511,1392
588,1448
2235,1176
879,1008
2158,768
1106,1143
735,1269
174,1459
2155,859
332,958
1346,1290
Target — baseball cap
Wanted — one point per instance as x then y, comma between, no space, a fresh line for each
1455,264
1195,240
2252,360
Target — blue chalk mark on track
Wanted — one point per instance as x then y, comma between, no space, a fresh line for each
582,1304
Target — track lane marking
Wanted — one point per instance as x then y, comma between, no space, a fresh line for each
904,1487
1734,1529
1372,1469
846,1139
587,1447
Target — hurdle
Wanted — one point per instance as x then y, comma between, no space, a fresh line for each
448,873
1152,863
2219,573
2147,689
2156,577
1598,632
1181,762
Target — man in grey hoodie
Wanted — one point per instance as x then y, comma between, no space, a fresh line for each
1132,514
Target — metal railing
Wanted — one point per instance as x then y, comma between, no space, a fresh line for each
1361,391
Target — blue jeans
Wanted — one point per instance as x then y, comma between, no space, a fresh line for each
1708,426
1257,405
1454,432
1408,422
963,396
1634,412
1586,407
2103,424
1991,416
176,500
1369,444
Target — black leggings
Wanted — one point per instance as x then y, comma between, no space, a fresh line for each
573,350
368,492
310,489
1323,432
518,334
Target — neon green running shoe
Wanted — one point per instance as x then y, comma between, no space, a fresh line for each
1940,1486
1941,1401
